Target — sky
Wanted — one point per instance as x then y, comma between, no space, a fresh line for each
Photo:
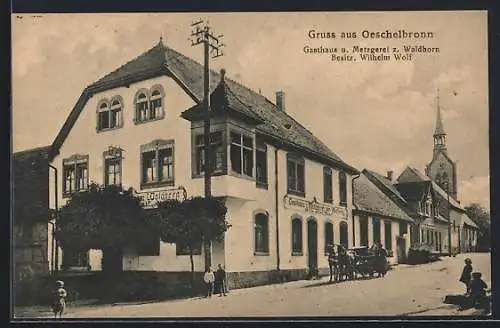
374,115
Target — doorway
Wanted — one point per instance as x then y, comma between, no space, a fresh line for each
344,234
312,246
401,249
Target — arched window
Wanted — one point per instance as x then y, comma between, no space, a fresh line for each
261,233
296,236
141,107
115,115
328,235
344,234
156,103
109,114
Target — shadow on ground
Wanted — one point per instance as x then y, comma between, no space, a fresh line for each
463,303
326,283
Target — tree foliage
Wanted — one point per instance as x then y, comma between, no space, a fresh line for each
191,222
481,216
102,217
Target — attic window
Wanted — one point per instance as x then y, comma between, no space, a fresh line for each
287,126
149,104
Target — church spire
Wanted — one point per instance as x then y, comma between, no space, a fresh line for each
439,134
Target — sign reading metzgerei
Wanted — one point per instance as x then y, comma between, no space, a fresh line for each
150,199
314,206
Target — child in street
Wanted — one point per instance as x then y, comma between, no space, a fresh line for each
220,280
466,274
59,304
477,289
209,279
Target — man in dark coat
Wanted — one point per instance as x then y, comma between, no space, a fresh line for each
220,281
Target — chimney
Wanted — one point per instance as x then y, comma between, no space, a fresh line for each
389,175
280,100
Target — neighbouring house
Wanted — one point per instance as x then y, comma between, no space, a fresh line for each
378,218
31,220
141,126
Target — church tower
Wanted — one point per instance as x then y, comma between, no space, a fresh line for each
442,169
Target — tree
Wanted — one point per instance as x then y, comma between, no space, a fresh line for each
481,216
191,222
106,218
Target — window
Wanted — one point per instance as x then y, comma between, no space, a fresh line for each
296,236
157,160
388,235
109,114
327,185
363,231
426,206
343,188
403,228
261,163
74,258
141,107
427,237
241,154
150,247
75,173
156,103
296,175
436,241
261,233
344,234
113,166
183,249
376,230
218,152
328,235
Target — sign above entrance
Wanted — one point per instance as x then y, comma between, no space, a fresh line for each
314,206
150,199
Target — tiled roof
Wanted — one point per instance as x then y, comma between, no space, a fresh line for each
162,60
386,183
369,198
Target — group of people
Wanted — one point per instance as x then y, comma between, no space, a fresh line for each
475,287
215,281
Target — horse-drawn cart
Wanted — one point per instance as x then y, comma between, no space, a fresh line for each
366,262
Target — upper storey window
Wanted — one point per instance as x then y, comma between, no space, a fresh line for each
296,175
109,114
149,104
75,174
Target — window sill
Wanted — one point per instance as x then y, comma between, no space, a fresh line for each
69,194
343,204
241,175
137,122
297,254
187,254
328,201
296,193
261,253
109,129
261,185
214,174
151,185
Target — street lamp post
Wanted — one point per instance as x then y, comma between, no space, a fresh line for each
55,244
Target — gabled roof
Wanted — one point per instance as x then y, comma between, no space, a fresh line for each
162,60
468,221
413,191
414,176
369,198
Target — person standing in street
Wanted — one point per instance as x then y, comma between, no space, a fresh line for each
220,280
209,279
466,275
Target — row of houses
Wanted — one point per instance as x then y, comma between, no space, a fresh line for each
288,195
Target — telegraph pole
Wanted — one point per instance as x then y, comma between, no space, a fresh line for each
201,34
449,218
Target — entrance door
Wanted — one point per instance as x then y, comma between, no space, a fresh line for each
312,246
401,249
344,235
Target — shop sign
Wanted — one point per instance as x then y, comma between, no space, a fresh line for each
314,207
150,199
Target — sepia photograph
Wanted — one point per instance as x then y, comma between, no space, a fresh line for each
250,165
